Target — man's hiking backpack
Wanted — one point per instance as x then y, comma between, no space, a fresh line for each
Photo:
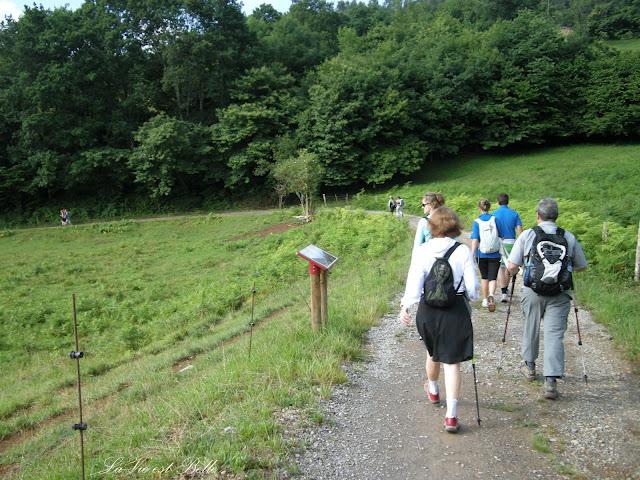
489,239
439,291
547,267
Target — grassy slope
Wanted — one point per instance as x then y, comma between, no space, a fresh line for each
632,44
603,178
185,287
593,183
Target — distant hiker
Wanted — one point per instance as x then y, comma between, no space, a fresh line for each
446,331
65,217
485,245
549,255
509,226
399,207
392,205
430,201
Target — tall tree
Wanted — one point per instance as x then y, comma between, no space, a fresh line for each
265,104
208,49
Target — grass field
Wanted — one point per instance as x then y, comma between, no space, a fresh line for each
164,310
594,184
632,44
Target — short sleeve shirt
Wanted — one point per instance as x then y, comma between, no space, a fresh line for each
525,241
475,235
507,220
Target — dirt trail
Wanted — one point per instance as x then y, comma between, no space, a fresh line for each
379,425
160,218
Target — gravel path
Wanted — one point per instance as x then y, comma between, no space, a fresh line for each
378,425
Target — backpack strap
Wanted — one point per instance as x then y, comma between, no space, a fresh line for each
446,257
451,250
539,232
560,232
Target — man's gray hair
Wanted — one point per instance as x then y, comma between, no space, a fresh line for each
547,209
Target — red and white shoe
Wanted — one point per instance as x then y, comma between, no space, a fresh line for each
451,424
433,397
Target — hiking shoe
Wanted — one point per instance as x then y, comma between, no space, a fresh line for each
451,424
485,303
433,397
491,305
550,388
504,298
528,369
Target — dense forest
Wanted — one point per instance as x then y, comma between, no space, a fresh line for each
141,103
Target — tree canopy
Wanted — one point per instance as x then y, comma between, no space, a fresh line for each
160,100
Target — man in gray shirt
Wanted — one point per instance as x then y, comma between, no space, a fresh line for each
553,308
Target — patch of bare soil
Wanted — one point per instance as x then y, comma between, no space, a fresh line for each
272,229
9,469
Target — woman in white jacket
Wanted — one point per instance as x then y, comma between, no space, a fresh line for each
446,332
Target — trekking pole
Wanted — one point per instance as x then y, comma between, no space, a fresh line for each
77,355
506,323
253,302
584,368
475,386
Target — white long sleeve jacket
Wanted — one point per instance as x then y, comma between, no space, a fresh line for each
422,260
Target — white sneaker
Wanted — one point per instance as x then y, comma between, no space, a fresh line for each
485,303
504,298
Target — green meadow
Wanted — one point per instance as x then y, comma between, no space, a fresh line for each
597,190
164,313
632,44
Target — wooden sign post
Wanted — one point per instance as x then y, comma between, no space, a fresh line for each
320,262
324,304
316,312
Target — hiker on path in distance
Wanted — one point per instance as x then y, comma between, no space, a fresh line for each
430,201
65,217
399,207
549,255
485,245
391,205
509,226
445,330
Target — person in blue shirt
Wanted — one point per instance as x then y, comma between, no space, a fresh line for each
485,246
510,227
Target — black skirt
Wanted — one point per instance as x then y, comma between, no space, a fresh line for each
447,333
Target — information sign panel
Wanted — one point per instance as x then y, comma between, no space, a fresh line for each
317,256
